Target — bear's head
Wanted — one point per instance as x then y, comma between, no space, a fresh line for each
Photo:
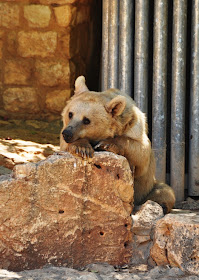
92,115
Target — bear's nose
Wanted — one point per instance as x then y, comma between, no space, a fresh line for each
67,134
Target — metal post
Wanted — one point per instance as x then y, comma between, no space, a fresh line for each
141,55
178,98
194,106
125,46
104,69
113,44
160,87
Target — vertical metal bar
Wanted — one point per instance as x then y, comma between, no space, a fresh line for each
178,98
125,46
194,105
141,54
104,69
113,44
160,87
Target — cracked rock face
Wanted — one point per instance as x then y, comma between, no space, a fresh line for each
66,211
176,241
144,222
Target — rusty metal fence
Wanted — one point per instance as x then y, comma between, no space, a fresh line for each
150,50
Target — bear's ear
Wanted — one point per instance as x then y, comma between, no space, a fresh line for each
80,85
116,106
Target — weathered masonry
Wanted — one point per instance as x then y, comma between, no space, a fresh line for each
44,46
150,49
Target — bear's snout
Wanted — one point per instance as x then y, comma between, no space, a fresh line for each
67,134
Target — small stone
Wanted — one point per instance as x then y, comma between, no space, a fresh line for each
9,15
56,100
17,72
175,271
33,43
37,15
143,221
23,170
101,268
65,15
21,100
157,272
53,73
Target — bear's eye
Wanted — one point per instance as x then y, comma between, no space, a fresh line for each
70,115
86,120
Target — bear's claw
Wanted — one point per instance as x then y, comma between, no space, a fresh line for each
81,148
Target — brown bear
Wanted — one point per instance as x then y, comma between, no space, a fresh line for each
111,121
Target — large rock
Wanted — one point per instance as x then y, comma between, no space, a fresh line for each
66,211
144,222
176,241
37,15
17,72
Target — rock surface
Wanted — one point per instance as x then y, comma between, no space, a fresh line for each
66,211
144,222
176,241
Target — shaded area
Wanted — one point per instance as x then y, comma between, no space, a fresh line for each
26,141
31,130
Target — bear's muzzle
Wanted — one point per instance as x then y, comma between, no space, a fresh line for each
68,134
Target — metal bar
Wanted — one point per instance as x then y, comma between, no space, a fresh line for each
113,44
104,69
194,105
160,87
125,46
141,55
178,98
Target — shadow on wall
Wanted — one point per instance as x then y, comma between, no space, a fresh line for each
93,68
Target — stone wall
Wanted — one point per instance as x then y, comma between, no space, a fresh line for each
44,46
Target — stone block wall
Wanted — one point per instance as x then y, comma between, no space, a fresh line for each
44,46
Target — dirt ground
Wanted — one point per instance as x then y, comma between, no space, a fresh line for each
26,141
31,130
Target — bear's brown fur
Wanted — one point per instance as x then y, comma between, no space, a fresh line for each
111,121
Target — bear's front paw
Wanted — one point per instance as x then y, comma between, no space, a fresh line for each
108,145
81,148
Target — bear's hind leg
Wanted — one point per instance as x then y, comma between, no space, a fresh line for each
163,195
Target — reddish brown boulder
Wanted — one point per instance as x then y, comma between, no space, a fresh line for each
66,211
176,241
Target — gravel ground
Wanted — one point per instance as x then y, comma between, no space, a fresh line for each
99,272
